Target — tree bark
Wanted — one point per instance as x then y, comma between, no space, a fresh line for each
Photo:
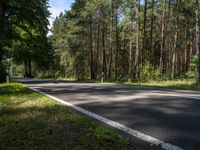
29,69
151,32
111,41
136,65
97,48
186,45
91,51
2,68
162,44
116,40
131,43
103,72
174,60
197,42
144,34
25,68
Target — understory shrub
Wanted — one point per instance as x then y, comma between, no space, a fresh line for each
149,72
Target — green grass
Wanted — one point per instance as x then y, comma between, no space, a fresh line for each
32,121
185,84
174,84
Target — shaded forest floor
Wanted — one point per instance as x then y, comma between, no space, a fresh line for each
32,121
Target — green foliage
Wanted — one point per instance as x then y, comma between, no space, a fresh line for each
23,32
16,70
191,74
193,63
103,135
45,74
186,84
148,72
68,43
94,37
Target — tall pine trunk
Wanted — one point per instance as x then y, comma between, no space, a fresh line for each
162,42
29,69
103,71
2,67
137,51
116,40
143,56
111,42
91,51
174,57
151,32
186,44
197,42
131,43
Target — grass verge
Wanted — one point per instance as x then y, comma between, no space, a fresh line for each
32,121
174,84
185,84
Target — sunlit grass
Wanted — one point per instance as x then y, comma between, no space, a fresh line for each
175,84
31,121
185,84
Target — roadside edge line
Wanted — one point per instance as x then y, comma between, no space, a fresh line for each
130,131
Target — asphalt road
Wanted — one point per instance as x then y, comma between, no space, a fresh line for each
172,116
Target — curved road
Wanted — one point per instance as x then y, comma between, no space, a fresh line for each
172,116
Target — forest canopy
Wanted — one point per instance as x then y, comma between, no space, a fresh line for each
128,39
23,35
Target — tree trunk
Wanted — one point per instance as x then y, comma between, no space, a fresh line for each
91,51
2,68
174,60
197,42
143,58
116,40
190,56
97,49
111,42
29,69
151,32
162,44
137,39
186,44
1,55
25,68
131,43
103,72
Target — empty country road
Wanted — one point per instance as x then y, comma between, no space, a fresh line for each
172,116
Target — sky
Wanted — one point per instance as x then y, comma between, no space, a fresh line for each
57,6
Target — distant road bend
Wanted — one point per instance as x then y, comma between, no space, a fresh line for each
172,116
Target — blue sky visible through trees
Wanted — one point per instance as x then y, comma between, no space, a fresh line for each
57,6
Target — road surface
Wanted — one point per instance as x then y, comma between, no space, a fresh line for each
172,116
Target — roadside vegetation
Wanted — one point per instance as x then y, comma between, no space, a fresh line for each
31,121
174,84
149,76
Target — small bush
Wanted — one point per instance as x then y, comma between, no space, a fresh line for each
192,72
44,74
149,72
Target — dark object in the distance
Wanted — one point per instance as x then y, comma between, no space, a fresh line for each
2,74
